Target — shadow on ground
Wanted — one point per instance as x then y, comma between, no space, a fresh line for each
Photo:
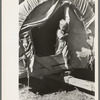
46,85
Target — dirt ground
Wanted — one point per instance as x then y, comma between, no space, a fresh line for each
25,94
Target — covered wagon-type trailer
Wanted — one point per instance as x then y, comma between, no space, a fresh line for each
41,24
45,19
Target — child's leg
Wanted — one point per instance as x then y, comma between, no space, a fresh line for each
64,53
61,45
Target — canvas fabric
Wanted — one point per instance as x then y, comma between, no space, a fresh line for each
26,23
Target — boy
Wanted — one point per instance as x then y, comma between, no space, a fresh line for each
61,40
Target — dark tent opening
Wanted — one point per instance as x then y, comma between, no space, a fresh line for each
44,37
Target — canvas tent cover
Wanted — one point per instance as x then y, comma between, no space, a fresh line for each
38,24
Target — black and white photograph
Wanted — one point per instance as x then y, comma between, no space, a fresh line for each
56,50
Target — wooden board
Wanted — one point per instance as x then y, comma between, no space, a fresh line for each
88,85
47,65
43,72
58,58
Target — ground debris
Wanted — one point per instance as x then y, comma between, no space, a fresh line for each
25,94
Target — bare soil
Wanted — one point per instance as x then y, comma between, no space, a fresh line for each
25,94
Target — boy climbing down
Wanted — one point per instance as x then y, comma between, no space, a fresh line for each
61,35
61,40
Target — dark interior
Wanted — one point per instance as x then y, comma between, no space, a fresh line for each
44,37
